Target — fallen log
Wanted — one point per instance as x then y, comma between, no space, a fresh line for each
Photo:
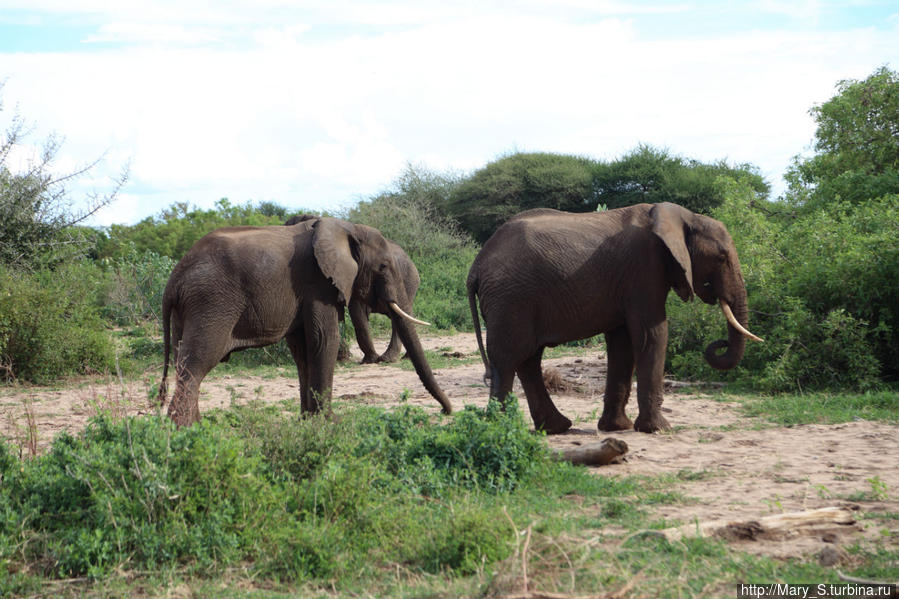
595,454
775,526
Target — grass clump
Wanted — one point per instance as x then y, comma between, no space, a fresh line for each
292,500
824,408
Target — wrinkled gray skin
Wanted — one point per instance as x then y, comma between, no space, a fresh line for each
242,287
547,277
362,304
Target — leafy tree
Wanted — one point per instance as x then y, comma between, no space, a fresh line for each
37,223
519,182
179,226
651,175
856,145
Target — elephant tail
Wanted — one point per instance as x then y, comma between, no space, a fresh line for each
166,343
472,285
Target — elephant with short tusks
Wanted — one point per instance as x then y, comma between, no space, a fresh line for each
242,287
546,277
362,304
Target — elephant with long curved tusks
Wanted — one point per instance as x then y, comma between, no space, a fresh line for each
547,277
362,304
242,287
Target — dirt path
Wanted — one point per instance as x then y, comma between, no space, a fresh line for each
728,465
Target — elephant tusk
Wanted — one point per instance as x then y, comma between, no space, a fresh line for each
729,315
399,311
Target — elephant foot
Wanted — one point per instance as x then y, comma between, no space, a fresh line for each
554,426
370,359
652,424
389,358
184,413
609,424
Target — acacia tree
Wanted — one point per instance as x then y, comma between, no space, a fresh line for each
518,182
652,175
38,224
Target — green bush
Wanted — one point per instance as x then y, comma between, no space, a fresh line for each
50,324
141,491
294,499
822,290
138,283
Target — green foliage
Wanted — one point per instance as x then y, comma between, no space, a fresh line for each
822,293
174,231
856,144
650,175
138,283
50,324
519,182
299,499
824,408
37,224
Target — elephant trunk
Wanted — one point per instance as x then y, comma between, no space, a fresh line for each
736,338
409,337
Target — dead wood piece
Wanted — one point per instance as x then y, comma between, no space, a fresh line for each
778,525
595,454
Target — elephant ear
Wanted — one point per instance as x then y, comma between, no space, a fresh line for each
668,223
331,243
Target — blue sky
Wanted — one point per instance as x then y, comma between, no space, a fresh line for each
320,104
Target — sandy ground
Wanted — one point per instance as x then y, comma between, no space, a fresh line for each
729,466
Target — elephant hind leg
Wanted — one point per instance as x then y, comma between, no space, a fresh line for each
501,381
184,409
618,381
195,355
392,353
543,411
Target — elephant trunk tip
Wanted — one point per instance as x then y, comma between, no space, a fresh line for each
716,361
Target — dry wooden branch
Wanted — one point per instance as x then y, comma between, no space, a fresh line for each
596,454
778,525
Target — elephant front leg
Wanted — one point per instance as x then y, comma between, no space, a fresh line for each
359,315
650,361
620,357
296,343
322,336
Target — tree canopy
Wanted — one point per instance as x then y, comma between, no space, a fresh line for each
856,144
519,182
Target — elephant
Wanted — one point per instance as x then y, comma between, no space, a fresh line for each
242,287
361,305
547,277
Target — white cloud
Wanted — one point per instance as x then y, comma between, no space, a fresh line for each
317,120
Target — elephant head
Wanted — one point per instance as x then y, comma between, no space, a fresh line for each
359,261
704,262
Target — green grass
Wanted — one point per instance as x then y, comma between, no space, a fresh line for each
256,501
823,408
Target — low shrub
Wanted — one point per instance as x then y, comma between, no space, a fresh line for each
50,324
299,499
